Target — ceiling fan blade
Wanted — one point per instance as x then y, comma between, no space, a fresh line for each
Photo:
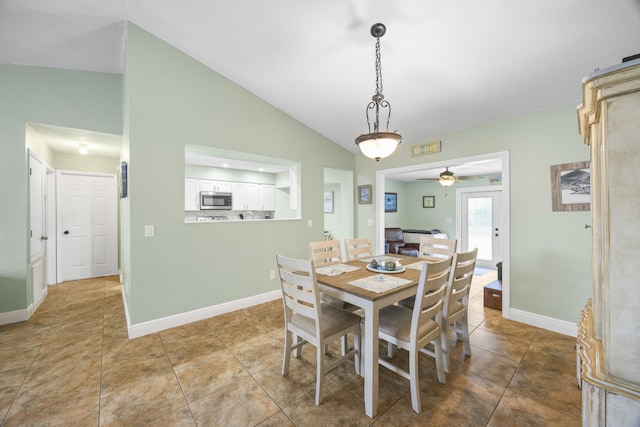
427,179
468,178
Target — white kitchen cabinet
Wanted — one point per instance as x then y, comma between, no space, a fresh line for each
191,194
246,196
217,186
267,197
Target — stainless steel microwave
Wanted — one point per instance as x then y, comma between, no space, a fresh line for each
210,200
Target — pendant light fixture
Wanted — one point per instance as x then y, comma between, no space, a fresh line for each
378,145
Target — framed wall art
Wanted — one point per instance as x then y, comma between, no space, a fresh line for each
123,180
364,194
328,202
428,201
391,202
571,187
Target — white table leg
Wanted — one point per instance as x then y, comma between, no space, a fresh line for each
371,361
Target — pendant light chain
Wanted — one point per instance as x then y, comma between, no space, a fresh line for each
378,69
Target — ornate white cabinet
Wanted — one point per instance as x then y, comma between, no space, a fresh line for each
609,329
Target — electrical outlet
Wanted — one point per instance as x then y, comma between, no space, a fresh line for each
309,223
370,223
272,274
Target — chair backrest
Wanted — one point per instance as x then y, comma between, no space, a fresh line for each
430,296
436,248
299,290
325,252
393,234
359,247
459,281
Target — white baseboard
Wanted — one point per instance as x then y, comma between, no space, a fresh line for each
544,322
15,316
157,325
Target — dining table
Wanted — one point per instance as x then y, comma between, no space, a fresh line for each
356,284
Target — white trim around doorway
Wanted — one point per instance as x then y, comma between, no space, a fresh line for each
506,209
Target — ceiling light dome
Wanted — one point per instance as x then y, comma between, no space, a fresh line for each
378,145
446,178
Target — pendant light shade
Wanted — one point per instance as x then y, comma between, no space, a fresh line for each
378,145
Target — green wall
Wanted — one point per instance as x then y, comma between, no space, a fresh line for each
550,251
172,100
73,99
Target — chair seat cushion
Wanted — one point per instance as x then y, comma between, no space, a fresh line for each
334,319
396,321
455,309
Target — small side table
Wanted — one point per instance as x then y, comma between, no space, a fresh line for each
493,295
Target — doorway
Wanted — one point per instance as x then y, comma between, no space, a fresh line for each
478,223
504,208
87,225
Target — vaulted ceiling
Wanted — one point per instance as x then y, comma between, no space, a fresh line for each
446,65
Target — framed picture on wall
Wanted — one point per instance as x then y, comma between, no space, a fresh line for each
571,187
328,202
123,180
428,201
364,194
391,202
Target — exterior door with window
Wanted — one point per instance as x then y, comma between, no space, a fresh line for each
480,224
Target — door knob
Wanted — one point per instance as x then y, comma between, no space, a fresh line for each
44,238
66,231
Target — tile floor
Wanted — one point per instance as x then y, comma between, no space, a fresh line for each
71,364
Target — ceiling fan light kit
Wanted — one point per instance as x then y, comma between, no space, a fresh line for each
378,145
447,178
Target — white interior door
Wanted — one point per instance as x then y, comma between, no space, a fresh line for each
37,227
480,224
36,206
87,225
50,225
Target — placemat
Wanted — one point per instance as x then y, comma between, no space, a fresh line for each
379,283
335,269
416,265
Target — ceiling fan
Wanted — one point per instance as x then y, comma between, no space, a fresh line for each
447,178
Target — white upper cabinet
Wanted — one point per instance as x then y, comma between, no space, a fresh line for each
217,186
191,194
246,196
267,197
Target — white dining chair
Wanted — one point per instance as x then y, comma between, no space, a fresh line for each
328,252
432,247
313,322
456,303
325,252
413,330
358,248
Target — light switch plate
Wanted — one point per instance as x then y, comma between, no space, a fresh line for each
149,231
